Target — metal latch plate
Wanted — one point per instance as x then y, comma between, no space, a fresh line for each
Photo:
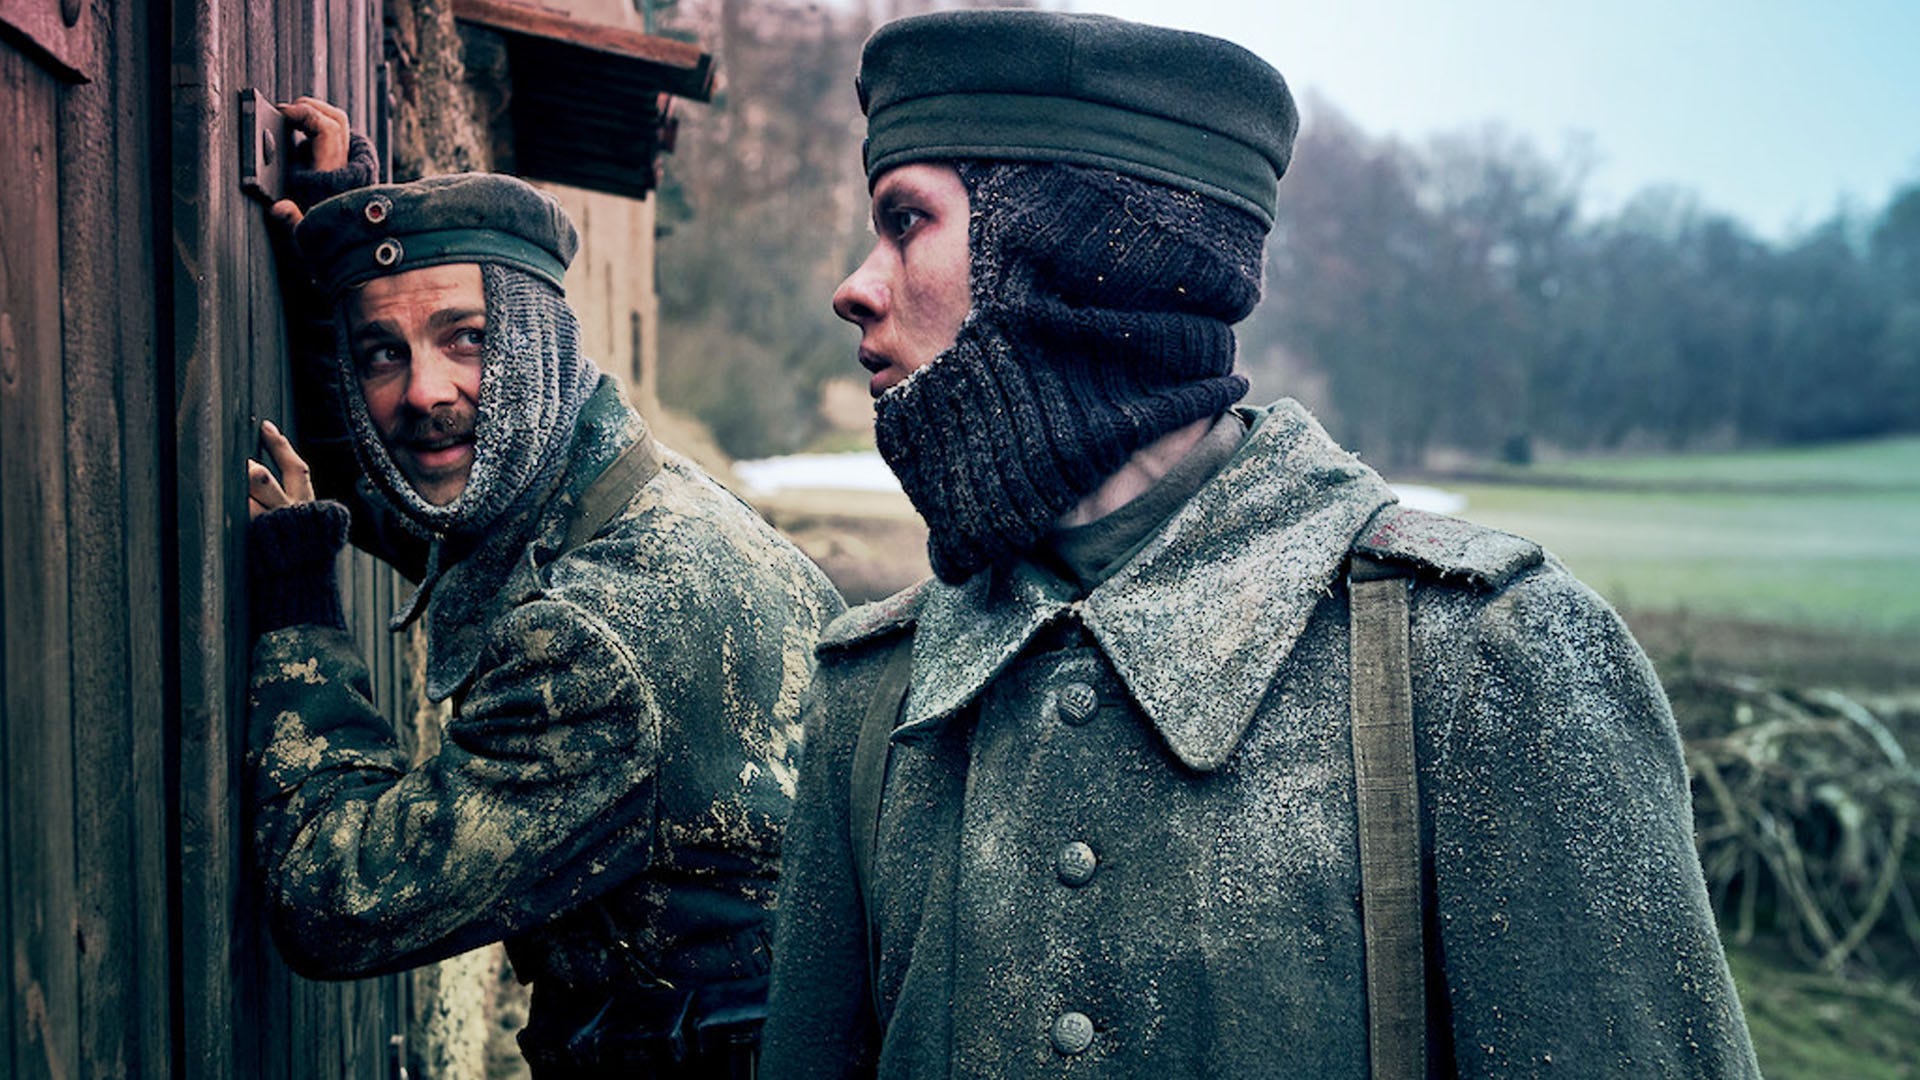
265,140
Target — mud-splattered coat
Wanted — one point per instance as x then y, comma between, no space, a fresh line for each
1159,878
628,737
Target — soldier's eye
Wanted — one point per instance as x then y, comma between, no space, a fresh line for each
902,220
380,360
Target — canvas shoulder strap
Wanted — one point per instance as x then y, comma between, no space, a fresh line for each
869,781
1386,792
611,491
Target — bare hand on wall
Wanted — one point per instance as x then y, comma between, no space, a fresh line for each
264,492
329,139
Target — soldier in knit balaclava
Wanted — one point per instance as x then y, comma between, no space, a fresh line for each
1116,223
1092,800
621,642
533,383
1102,320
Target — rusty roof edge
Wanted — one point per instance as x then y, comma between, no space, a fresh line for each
693,64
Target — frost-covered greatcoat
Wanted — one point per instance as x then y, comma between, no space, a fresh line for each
1178,865
628,734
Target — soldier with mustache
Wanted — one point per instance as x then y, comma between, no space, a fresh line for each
624,644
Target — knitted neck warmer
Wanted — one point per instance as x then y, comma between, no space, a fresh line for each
533,384
1102,319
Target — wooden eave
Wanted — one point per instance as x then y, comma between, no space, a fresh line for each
675,67
589,101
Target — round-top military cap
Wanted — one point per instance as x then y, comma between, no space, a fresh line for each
463,218
1180,108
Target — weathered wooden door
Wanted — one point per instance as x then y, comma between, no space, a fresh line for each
86,816
242,1013
141,338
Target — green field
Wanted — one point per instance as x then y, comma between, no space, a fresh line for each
1893,463
1825,538
1813,1027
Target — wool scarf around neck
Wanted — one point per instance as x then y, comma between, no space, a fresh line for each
1102,320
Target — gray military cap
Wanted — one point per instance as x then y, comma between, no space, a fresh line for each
465,218
1179,108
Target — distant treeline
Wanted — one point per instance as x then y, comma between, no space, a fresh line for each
1452,296
1457,296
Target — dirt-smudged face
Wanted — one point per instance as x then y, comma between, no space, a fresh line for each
416,338
912,293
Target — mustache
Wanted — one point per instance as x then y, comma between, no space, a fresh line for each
444,424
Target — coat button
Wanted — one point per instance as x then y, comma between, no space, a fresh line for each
1077,703
1072,1033
1075,864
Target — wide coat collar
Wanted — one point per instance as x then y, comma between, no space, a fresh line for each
1200,619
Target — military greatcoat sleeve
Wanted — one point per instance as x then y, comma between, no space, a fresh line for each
541,795
820,1013
1575,935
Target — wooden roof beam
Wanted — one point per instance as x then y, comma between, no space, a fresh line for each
677,67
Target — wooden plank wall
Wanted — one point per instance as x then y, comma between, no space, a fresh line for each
242,1013
109,236
44,1004
140,339
84,835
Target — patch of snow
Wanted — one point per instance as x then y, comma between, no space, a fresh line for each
1431,499
858,471
865,471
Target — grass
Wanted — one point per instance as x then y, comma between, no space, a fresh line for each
1817,541
1871,463
1812,1027
1824,538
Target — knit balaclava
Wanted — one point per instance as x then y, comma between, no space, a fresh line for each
1102,319
533,383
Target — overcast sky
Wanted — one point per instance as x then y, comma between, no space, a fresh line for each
1773,111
